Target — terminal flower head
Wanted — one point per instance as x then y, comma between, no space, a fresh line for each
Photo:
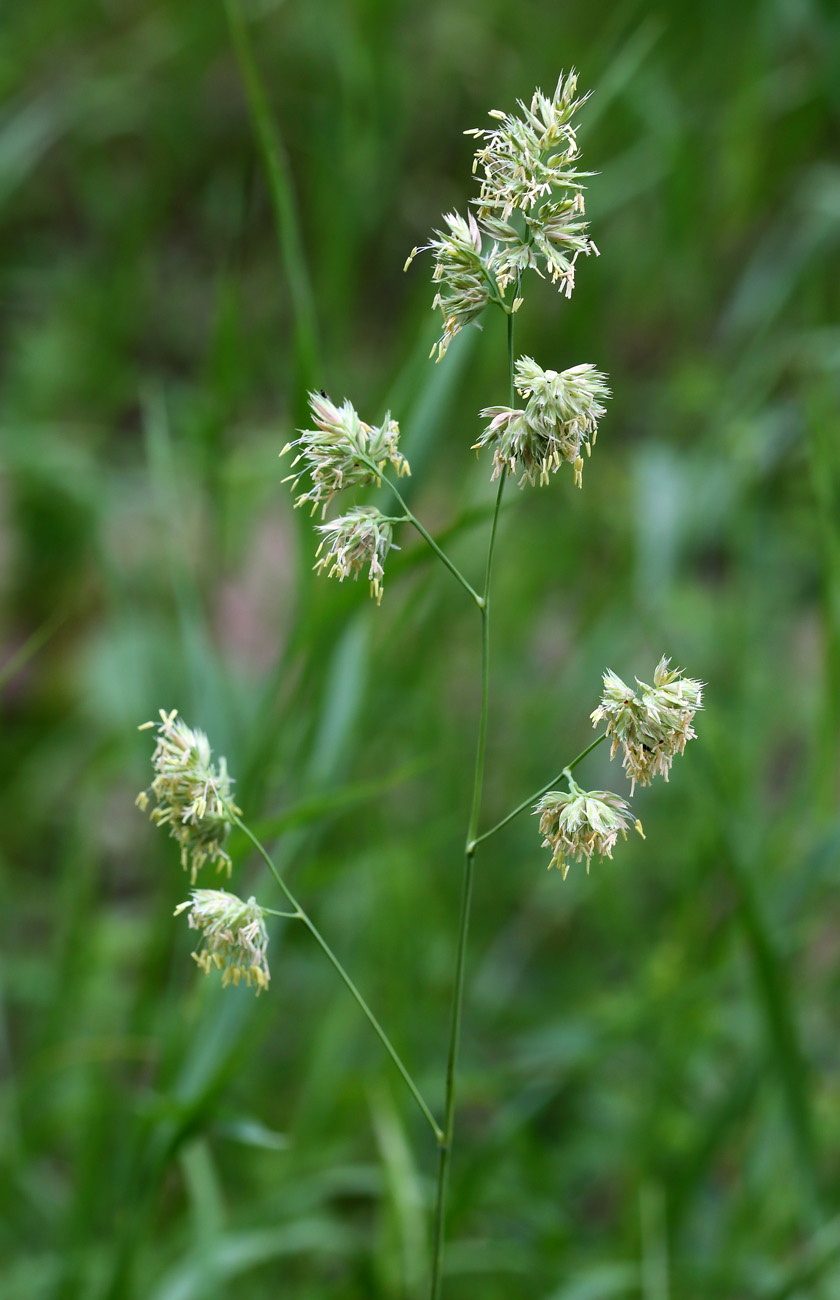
578,823
192,795
525,157
342,451
559,419
360,539
234,939
528,164
650,725
463,276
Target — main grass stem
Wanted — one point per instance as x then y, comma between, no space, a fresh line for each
445,1142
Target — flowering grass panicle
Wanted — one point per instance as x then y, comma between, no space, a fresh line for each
524,158
234,938
192,795
342,451
528,165
559,419
360,539
577,823
652,725
465,278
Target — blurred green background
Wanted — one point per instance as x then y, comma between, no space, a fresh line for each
650,1098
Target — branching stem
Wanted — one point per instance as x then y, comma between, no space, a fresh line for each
538,794
427,537
300,914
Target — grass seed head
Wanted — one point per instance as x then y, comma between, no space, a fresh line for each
650,725
234,938
360,539
192,795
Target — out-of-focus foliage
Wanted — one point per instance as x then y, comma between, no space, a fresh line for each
651,1083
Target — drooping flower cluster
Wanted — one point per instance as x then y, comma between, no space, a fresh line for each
234,939
578,823
192,795
360,539
342,451
559,419
652,725
464,278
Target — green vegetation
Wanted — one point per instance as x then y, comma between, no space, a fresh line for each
649,1103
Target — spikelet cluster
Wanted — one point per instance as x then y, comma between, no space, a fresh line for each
559,419
530,211
234,939
528,164
524,158
463,277
192,795
341,450
579,823
650,725
360,539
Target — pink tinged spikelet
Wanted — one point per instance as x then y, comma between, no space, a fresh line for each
464,278
342,451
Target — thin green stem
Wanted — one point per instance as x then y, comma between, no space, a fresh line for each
445,1143
412,518
300,914
538,794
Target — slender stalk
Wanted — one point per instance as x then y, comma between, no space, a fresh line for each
412,518
303,916
445,1142
538,794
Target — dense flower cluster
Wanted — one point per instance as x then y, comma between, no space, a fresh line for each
360,539
577,823
559,419
342,451
234,938
529,165
652,725
552,239
530,210
192,795
463,276
524,158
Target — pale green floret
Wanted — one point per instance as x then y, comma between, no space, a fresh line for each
234,938
559,419
652,725
360,539
192,795
342,451
465,278
578,823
